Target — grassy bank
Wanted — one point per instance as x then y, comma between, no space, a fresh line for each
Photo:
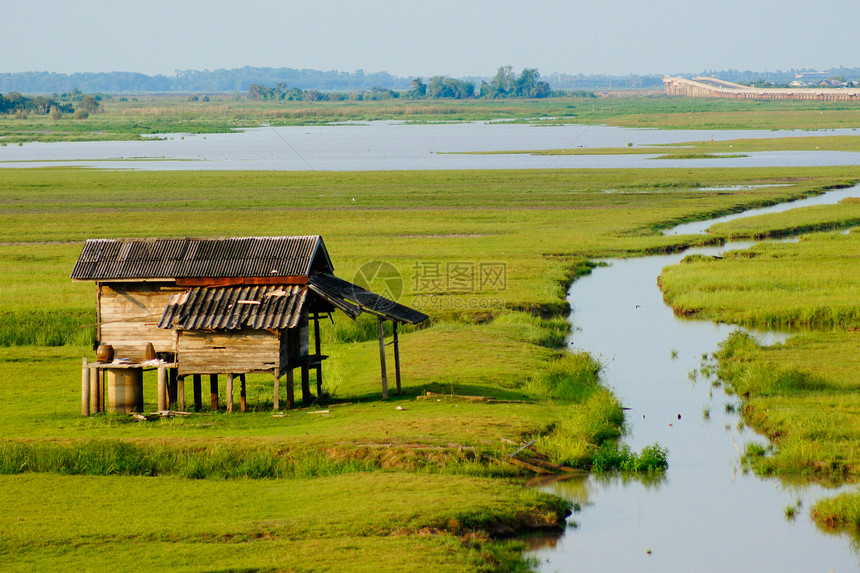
802,394
502,341
372,522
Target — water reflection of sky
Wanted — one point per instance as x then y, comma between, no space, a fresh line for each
392,146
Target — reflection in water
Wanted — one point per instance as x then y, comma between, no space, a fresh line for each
707,513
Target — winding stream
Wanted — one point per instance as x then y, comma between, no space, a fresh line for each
706,514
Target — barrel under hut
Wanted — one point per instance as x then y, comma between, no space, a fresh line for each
193,307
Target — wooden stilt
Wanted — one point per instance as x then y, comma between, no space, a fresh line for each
230,392
198,392
396,357
213,392
276,396
162,388
85,388
180,393
382,359
306,384
318,349
291,390
243,403
101,381
173,387
94,391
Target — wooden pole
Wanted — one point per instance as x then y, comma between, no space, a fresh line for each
172,387
318,349
276,396
213,392
85,388
198,392
291,391
306,384
396,357
101,381
94,390
180,393
382,359
230,393
162,388
243,403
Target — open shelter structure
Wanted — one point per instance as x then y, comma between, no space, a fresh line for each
232,306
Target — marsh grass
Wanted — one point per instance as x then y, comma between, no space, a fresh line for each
169,114
544,226
840,512
813,283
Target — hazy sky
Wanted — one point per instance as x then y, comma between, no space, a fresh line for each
430,37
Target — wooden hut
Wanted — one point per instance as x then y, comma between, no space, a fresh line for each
231,306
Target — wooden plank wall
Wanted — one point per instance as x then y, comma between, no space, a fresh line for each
235,351
129,315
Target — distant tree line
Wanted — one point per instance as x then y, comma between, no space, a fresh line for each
82,105
239,80
185,81
505,84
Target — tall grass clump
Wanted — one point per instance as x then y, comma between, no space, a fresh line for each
47,328
611,457
571,378
840,512
747,377
219,461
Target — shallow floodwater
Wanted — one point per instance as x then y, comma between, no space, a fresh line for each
395,146
706,514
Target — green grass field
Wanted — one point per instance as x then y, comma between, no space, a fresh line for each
383,487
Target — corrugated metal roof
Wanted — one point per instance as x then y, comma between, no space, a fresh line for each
333,288
104,259
233,308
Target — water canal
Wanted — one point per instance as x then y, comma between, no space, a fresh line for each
706,514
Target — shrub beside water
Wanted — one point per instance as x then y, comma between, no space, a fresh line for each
610,456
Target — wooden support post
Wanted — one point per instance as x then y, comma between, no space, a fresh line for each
396,357
180,393
382,359
85,388
198,392
318,349
94,391
213,392
230,393
276,395
306,384
172,387
162,388
101,394
291,390
243,403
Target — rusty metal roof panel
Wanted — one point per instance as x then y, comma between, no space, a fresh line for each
234,308
237,257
